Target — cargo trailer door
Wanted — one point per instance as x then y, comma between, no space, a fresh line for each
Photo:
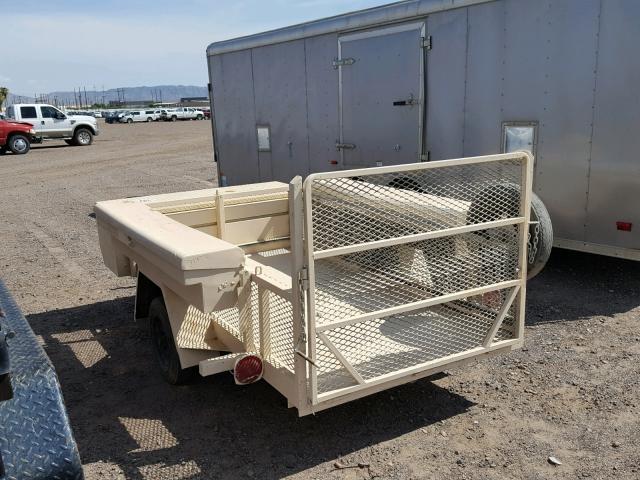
381,74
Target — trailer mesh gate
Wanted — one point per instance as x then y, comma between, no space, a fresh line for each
413,266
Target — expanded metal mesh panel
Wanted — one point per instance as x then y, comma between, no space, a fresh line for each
366,281
383,244
380,346
354,210
243,318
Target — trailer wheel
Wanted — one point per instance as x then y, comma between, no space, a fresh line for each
164,346
485,208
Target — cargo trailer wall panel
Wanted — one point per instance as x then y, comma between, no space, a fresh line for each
565,62
485,54
279,81
446,71
614,187
232,86
322,102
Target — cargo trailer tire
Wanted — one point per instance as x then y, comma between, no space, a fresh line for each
484,209
164,347
543,241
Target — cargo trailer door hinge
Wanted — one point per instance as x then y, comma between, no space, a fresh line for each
345,146
341,62
424,157
426,42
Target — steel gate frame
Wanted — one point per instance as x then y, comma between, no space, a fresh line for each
516,288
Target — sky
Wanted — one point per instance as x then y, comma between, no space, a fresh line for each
56,45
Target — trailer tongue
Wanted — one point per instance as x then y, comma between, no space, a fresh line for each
335,288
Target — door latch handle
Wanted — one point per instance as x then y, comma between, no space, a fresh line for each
345,146
411,101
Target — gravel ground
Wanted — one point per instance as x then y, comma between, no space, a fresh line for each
572,393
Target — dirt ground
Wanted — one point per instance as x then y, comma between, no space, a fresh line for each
573,392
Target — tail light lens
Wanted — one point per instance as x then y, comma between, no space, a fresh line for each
248,369
624,226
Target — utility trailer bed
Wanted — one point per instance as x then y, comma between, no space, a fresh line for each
341,286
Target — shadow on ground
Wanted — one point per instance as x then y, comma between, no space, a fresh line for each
576,285
123,413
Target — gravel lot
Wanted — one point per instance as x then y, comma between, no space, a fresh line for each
572,393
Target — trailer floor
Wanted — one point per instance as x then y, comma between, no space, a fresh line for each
572,393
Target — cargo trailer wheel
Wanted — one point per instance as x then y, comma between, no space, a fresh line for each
165,347
82,137
503,201
19,144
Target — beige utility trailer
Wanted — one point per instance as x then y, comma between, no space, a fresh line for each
344,285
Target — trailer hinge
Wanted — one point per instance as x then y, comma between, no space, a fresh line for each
341,62
345,146
426,42
303,278
424,157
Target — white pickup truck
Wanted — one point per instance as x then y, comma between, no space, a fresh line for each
50,123
182,113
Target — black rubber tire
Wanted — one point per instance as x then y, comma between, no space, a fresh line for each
483,209
129,120
174,118
82,131
164,346
149,119
200,117
540,214
19,144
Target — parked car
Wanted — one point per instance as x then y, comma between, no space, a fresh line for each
207,113
114,116
50,123
135,116
183,113
16,136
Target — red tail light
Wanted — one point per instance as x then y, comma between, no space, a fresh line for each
624,226
248,369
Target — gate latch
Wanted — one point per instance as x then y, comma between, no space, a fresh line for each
341,62
345,146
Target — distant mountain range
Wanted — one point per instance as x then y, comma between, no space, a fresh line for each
158,93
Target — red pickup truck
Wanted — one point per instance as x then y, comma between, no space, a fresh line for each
15,136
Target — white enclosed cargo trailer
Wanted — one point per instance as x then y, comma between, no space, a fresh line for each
334,288
422,80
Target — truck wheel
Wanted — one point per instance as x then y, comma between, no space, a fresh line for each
82,137
129,120
19,144
164,346
200,117
149,119
484,209
174,118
